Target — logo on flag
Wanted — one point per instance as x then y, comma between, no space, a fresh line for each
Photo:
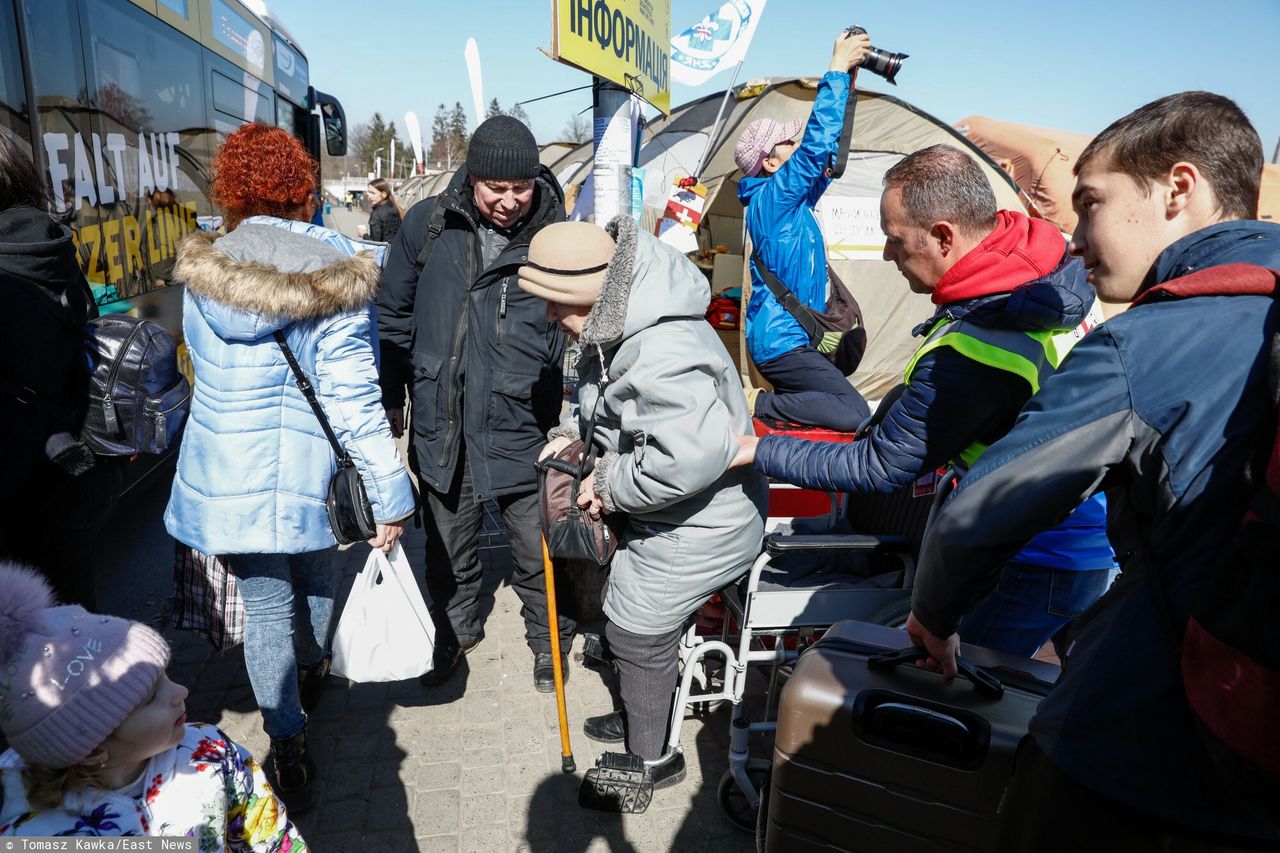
716,42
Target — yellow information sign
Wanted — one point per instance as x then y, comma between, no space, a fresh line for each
625,41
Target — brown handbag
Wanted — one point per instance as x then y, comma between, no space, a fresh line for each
573,534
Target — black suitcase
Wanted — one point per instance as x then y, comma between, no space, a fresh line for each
875,754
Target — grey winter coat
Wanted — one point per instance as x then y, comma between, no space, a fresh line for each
667,418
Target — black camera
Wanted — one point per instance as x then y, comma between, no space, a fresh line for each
882,62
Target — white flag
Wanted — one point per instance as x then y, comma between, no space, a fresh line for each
717,42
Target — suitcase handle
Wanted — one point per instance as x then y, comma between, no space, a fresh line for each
983,681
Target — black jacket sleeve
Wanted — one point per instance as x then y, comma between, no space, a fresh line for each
396,296
951,402
1066,442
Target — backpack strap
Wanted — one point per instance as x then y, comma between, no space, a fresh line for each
435,225
798,310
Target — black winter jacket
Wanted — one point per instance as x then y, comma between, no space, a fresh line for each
46,304
482,359
384,222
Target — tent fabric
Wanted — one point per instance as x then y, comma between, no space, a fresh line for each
1040,160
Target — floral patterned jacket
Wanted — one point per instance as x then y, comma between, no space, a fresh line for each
207,787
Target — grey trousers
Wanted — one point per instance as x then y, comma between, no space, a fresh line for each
647,676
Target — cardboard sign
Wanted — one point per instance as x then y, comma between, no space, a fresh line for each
679,224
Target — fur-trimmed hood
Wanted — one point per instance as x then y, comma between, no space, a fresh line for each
646,281
268,274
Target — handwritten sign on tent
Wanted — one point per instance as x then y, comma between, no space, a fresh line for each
625,41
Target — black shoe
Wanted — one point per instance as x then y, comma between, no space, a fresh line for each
445,662
544,675
311,683
294,771
606,728
666,771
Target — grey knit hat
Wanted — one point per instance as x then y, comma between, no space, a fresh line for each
502,148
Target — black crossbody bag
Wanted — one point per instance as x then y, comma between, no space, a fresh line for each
350,515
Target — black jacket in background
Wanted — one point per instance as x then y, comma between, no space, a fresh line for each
482,359
46,303
384,222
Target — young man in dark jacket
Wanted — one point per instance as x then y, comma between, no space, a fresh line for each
485,366
1010,303
1162,407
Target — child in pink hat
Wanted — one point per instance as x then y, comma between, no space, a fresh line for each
99,739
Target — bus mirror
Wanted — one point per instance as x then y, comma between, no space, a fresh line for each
335,124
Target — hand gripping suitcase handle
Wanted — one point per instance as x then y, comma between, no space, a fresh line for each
983,681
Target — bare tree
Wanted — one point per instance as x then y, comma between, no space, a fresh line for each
577,128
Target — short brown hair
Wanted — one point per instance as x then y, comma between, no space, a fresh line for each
944,183
1194,127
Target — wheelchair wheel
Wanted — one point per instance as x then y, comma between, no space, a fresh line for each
733,801
762,814
894,615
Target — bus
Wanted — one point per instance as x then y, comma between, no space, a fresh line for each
123,103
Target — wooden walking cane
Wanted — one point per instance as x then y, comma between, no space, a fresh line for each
553,619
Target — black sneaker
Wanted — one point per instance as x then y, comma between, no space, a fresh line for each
544,673
294,771
445,661
666,771
311,683
606,728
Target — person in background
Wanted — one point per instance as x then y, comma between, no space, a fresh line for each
485,367
385,213
783,179
1163,407
55,493
1010,303
100,743
254,466
667,404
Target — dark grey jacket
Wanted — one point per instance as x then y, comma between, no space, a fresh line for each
384,222
479,353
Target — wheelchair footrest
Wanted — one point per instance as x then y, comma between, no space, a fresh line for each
618,783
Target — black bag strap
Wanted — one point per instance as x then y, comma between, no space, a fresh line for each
841,157
304,385
797,309
435,225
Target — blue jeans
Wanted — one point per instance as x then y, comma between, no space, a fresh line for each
1029,606
808,389
279,635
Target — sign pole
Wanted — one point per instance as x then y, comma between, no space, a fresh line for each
611,120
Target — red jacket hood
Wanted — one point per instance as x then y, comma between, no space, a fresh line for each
1019,250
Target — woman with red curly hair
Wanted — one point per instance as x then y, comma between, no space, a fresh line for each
255,465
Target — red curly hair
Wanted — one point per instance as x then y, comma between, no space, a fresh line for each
262,170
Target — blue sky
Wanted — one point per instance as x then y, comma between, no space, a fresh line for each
1074,65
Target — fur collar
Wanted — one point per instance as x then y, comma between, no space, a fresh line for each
605,323
343,285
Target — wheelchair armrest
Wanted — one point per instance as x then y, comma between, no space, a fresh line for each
779,544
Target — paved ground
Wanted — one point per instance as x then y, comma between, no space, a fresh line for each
471,766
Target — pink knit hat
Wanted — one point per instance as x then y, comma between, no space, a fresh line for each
70,677
758,140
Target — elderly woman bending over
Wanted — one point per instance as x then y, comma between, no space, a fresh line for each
668,403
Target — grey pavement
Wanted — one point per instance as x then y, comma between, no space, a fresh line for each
473,765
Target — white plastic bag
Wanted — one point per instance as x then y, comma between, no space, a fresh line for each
385,632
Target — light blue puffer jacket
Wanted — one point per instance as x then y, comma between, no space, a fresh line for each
254,467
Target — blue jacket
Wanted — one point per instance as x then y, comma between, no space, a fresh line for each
1160,406
951,402
254,467
785,230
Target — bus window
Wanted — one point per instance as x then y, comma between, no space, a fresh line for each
13,88
149,139
178,7
61,93
239,102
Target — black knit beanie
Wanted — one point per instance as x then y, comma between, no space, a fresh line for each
502,148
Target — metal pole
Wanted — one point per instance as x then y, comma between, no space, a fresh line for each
715,126
611,114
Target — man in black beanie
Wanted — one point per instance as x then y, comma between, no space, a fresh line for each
484,365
